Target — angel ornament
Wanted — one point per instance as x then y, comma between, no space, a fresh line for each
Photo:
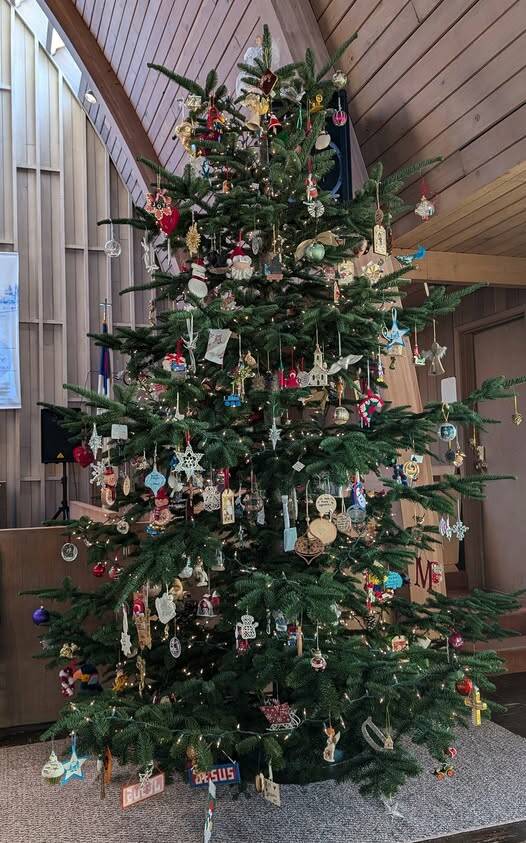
330,747
435,354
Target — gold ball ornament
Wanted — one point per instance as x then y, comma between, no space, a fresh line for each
341,415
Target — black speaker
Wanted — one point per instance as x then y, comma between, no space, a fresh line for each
339,180
55,443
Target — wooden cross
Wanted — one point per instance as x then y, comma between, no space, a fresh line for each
476,705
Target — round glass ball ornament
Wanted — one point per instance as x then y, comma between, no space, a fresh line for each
446,431
455,640
464,686
339,118
112,248
341,415
69,551
315,252
40,616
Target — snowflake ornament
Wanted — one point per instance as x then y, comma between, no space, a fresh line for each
188,461
274,434
459,529
95,441
97,474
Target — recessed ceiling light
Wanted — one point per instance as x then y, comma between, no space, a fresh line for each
90,96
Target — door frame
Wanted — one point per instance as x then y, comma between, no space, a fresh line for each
466,379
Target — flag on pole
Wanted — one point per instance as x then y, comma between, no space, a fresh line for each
105,367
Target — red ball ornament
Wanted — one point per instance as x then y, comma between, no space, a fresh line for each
464,686
83,455
168,224
99,569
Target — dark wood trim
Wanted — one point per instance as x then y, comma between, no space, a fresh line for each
75,32
466,374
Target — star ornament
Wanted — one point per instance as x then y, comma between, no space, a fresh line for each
395,335
73,767
274,434
188,462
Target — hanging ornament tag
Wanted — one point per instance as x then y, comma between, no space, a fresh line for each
326,504
380,240
324,530
119,431
448,390
227,507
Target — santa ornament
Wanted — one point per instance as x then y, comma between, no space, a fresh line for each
241,268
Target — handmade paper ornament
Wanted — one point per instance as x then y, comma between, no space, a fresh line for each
211,498
217,342
53,769
165,608
143,626
197,283
330,747
248,627
83,455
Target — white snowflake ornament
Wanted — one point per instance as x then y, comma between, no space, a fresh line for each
188,461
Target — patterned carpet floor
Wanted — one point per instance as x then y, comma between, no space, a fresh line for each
489,789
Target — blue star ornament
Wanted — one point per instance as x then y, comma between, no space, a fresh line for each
395,335
73,767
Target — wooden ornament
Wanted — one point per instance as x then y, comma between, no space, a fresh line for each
308,547
144,632
323,529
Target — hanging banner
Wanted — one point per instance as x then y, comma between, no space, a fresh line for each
9,344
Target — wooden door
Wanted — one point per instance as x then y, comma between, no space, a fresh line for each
501,349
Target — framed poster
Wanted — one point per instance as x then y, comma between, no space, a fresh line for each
9,341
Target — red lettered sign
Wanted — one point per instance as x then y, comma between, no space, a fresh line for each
220,774
136,792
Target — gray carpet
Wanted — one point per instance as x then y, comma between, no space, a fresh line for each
488,789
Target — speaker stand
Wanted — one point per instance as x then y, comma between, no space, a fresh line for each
63,509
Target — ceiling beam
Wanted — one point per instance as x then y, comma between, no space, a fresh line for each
75,32
463,268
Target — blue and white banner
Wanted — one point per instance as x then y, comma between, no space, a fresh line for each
9,342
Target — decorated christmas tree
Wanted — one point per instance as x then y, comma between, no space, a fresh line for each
254,600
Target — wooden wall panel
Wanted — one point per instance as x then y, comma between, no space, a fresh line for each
57,181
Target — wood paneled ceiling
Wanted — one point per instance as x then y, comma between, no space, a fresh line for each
442,78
